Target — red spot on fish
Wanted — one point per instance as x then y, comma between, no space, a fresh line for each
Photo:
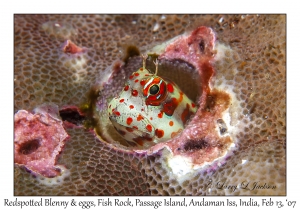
147,138
142,109
136,74
135,127
140,139
129,129
131,76
122,100
141,69
147,75
136,80
116,113
193,105
159,133
126,87
160,115
151,118
143,82
180,97
171,123
139,117
131,106
186,114
170,106
170,88
134,93
149,127
129,120
121,132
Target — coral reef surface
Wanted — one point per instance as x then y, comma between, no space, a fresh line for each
58,59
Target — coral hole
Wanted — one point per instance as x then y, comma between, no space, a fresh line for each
192,145
72,115
29,147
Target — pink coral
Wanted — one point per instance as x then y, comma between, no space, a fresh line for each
70,47
197,49
39,138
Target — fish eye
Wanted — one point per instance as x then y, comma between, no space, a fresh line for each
154,89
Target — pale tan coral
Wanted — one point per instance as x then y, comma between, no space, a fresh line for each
254,68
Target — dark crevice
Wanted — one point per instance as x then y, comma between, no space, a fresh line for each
222,126
131,51
72,116
202,46
29,147
195,145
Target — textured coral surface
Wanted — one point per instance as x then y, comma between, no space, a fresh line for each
253,70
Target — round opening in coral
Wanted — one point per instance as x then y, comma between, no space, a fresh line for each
29,147
158,128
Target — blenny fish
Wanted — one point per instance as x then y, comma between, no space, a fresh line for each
150,109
